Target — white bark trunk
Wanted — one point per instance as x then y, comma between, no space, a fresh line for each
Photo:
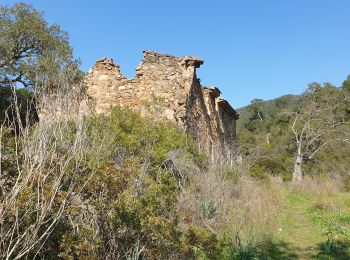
297,174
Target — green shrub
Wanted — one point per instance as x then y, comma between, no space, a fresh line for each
132,196
208,208
200,243
239,250
230,174
266,166
334,232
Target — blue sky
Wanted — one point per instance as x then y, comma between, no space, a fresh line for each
251,48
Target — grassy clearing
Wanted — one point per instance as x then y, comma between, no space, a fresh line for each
311,225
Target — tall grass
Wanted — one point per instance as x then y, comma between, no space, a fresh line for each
230,204
38,168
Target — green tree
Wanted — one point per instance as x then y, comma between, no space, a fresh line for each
346,92
346,84
32,53
320,120
255,109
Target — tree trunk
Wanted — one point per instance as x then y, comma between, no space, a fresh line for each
297,174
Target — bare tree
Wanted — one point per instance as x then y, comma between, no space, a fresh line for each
319,121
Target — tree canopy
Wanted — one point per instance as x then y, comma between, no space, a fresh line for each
313,126
32,53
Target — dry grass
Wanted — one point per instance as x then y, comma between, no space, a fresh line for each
37,173
318,185
229,204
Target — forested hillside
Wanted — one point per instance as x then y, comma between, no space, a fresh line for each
260,109
316,122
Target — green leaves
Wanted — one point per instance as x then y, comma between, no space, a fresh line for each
323,111
131,196
32,53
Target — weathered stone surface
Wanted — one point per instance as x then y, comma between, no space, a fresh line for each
167,87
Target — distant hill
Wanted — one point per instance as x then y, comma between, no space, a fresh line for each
268,109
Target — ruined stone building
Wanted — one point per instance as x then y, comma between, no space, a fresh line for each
167,86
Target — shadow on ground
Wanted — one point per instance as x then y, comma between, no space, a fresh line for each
282,250
279,250
338,250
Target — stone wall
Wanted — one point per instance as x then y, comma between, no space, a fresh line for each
166,86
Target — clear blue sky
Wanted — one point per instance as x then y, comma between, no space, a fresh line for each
251,48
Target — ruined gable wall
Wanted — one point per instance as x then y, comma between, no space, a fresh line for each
162,82
167,87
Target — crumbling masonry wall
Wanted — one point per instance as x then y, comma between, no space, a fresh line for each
166,86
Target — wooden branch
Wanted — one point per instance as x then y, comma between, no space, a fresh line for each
293,127
325,143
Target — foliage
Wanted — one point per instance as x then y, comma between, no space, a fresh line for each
307,209
24,101
126,202
335,226
202,243
208,208
37,180
132,195
32,53
335,232
320,120
268,141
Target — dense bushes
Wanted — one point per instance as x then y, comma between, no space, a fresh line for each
121,186
128,204
131,187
